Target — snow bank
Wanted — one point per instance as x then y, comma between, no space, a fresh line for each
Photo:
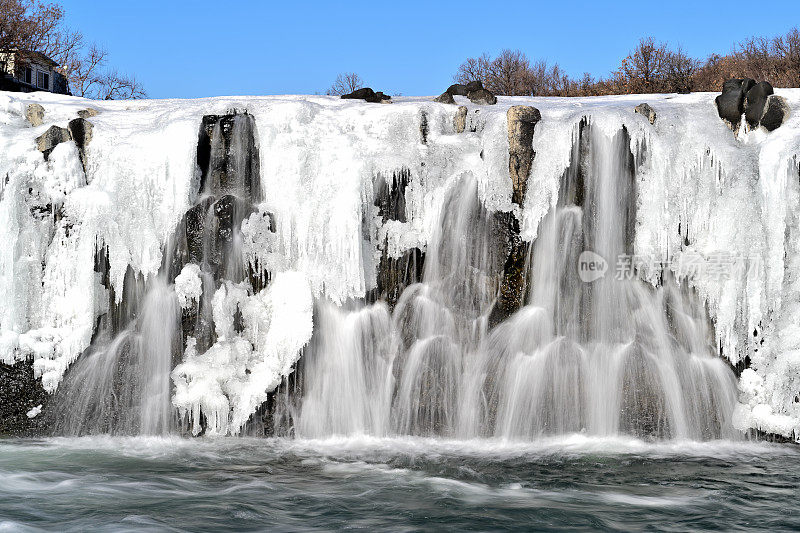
703,194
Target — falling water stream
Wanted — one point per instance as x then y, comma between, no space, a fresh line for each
603,357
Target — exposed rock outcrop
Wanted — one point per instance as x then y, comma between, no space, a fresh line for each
54,136
458,89
34,114
522,120
89,112
368,95
730,104
21,400
646,111
776,111
482,97
460,120
445,98
755,100
81,131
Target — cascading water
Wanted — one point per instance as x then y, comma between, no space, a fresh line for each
122,384
602,356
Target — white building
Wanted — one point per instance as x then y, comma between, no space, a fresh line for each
26,71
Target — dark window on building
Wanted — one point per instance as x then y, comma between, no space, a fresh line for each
43,80
27,75
2,67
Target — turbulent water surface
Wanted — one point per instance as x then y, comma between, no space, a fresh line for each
575,482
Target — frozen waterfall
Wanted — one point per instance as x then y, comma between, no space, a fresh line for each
316,267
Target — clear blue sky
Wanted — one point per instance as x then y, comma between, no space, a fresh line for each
186,49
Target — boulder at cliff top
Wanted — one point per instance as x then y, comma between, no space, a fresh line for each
755,100
776,111
730,104
445,98
648,112
459,89
368,95
482,97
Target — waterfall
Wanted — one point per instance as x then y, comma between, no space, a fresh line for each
121,385
603,356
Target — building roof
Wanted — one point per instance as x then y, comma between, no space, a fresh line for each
32,56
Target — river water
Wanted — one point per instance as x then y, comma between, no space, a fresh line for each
402,484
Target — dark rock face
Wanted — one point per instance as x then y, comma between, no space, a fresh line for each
445,98
390,195
647,111
368,95
482,97
457,89
395,274
54,136
776,111
81,131
513,285
230,164
730,104
522,121
755,100
19,393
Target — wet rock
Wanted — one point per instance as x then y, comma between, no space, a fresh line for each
368,95
195,224
395,274
460,120
776,111
730,104
54,136
89,112
228,156
647,111
482,97
81,131
445,98
34,114
513,285
522,121
390,195
21,393
755,100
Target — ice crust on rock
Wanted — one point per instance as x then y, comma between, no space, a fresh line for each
702,193
232,378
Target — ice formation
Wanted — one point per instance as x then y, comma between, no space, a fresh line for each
705,199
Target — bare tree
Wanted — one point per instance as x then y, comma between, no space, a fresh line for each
37,26
114,86
345,83
679,71
643,70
